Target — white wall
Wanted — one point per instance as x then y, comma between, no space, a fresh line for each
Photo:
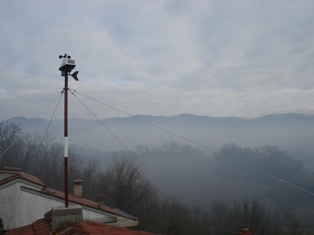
20,207
8,198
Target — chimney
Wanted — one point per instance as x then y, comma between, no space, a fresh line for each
78,188
101,201
60,215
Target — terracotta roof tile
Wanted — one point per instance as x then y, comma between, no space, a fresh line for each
9,168
78,200
22,175
8,179
69,227
42,227
38,227
31,178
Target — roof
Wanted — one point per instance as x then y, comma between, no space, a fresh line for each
17,173
78,200
43,227
10,168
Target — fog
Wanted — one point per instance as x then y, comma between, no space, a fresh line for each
291,132
187,169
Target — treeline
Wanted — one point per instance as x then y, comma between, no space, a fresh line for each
172,148
269,166
231,162
126,187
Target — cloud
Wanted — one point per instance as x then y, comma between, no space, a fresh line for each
216,58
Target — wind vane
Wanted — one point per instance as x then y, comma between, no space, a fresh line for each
67,65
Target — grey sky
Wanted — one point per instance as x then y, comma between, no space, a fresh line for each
214,58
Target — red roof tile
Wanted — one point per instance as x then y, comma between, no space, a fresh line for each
31,178
9,168
59,194
69,227
19,174
78,200
42,227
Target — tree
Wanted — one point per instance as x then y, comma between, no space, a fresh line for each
174,217
269,159
90,174
293,224
124,184
225,218
9,134
249,215
219,217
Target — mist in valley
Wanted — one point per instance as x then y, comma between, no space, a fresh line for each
291,132
176,153
197,160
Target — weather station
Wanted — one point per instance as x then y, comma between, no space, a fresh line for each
67,65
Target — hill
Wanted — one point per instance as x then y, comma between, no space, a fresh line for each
165,145
292,132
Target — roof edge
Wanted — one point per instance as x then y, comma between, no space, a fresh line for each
2,167
53,195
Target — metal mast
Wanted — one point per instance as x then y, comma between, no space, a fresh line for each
66,67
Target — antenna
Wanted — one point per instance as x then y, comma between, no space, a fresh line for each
67,65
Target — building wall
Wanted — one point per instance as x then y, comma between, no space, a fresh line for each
4,175
9,197
20,207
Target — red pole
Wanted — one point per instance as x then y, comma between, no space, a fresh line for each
66,139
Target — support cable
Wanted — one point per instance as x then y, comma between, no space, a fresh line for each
9,146
36,117
14,210
201,146
153,125
117,138
54,111
39,145
48,105
42,140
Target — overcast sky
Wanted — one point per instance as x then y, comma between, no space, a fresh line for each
214,58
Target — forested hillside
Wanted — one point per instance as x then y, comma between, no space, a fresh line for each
291,132
200,193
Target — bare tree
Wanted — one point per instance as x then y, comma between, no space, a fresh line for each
249,215
9,134
124,184
90,175
293,224
225,218
219,217
174,216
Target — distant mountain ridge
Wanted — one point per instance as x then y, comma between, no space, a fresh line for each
286,117
290,131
